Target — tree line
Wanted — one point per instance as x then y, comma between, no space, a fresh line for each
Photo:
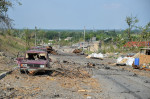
118,37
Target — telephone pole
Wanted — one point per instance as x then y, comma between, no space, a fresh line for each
59,39
35,34
84,39
84,33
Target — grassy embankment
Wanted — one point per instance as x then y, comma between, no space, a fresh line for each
11,45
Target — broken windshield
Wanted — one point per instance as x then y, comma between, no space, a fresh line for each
36,56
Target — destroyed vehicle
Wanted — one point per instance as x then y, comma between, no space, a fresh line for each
48,49
40,48
35,61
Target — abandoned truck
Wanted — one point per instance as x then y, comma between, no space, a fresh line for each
35,61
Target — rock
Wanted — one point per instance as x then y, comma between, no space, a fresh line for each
65,61
88,97
2,54
16,77
107,67
146,81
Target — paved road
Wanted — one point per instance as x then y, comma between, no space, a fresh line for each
116,83
120,84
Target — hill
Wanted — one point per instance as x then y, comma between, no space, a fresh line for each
11,45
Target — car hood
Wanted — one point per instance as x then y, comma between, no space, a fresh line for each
34,61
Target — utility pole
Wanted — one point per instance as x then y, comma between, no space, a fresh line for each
43,39
59,39
59,36
84,33
35,34
84,39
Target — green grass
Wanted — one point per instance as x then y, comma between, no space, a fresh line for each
11,44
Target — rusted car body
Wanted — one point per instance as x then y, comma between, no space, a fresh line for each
35,61
39,48
48,49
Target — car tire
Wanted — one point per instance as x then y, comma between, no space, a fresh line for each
22,71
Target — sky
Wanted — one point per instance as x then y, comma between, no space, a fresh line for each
75,14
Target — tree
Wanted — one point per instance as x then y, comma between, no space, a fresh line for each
131,21
5,21
145,31
41,36
27,38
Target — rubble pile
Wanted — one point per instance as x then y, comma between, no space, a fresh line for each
77,51
66,74
125,61
140,60
69,70
96,56
74,76
71,73
51,50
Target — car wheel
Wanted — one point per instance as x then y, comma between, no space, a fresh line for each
22,71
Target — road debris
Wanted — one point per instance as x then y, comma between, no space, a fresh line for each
122,61
66,79
51,50
73,77
91,65
96,56
142,60
76,51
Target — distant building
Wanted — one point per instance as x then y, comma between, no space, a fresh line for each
50,40
68,38
94,46
93,39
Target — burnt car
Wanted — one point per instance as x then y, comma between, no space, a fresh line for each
35,61
48,49
39,48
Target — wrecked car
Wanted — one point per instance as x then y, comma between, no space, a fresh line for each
39,48
35,61
48,49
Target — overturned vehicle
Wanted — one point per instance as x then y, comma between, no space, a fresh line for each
34,61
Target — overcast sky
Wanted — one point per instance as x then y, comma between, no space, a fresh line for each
75,14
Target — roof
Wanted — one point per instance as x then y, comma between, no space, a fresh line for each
145,48
137,44
35,51
38,47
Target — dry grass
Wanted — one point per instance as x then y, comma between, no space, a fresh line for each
11,45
